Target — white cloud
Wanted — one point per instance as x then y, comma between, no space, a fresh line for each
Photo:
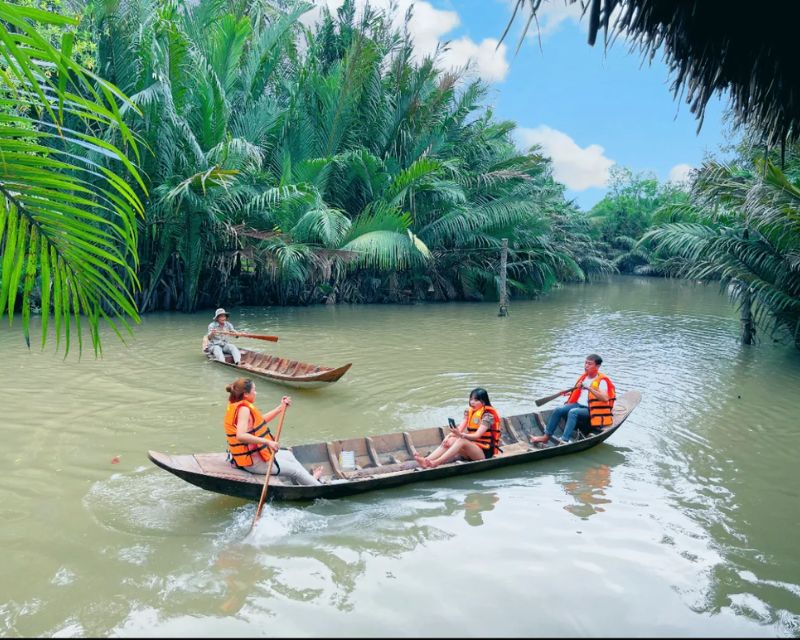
428,27
550,16
680,173
577,167
487,59
552,13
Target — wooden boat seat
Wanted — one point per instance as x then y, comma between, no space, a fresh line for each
526,425
385,469
508,434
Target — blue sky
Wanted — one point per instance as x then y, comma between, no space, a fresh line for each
589,108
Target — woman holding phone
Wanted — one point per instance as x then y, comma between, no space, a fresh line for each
476,438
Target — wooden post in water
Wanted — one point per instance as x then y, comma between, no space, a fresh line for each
746,318
503,293
746,315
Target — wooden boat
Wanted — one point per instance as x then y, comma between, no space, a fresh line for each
292,373
382,461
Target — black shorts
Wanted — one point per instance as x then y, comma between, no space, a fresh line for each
488,453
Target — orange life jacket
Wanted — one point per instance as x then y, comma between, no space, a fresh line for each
599,411
241,452
490,437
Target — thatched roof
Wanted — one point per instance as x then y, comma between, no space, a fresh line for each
747,50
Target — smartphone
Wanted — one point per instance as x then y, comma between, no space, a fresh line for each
452,423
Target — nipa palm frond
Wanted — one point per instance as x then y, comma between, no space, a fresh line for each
67,224
381,238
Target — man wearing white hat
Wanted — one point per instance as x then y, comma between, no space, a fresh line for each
218,344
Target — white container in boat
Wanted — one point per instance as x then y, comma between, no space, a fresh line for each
347,459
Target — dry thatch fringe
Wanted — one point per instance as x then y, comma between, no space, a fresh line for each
745,49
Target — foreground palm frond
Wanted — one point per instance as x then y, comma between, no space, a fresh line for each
67,221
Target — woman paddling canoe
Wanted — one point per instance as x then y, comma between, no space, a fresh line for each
250,443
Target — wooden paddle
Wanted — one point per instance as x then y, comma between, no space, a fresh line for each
269,470
542,401
255,336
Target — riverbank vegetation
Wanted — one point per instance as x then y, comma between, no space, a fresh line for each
741,227
65,219
283,163
295,165
736,223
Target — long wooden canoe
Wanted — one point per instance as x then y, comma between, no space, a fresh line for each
292,373
381,461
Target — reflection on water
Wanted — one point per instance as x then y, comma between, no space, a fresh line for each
336,539
475,504
240,573
589,491
317,553
694,499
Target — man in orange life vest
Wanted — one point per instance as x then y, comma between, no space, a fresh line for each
591,398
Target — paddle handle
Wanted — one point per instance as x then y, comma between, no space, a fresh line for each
542,401
265,488
255,336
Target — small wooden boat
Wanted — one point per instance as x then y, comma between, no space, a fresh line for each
382,461
292,373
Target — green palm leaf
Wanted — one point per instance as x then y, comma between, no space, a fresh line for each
67,223
381,238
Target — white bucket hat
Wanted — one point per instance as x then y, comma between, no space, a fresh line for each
220,312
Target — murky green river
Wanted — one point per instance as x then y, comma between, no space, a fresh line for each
684,523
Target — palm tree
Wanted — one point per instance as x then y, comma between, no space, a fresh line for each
743,229
67,220
295,165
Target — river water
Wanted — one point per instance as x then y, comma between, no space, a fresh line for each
683,523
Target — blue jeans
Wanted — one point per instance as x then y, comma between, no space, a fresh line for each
572,411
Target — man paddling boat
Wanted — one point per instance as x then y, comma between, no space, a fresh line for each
592,398
218,344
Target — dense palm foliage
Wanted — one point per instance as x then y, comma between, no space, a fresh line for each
286,164
292,165
626,212
743,228
67,223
